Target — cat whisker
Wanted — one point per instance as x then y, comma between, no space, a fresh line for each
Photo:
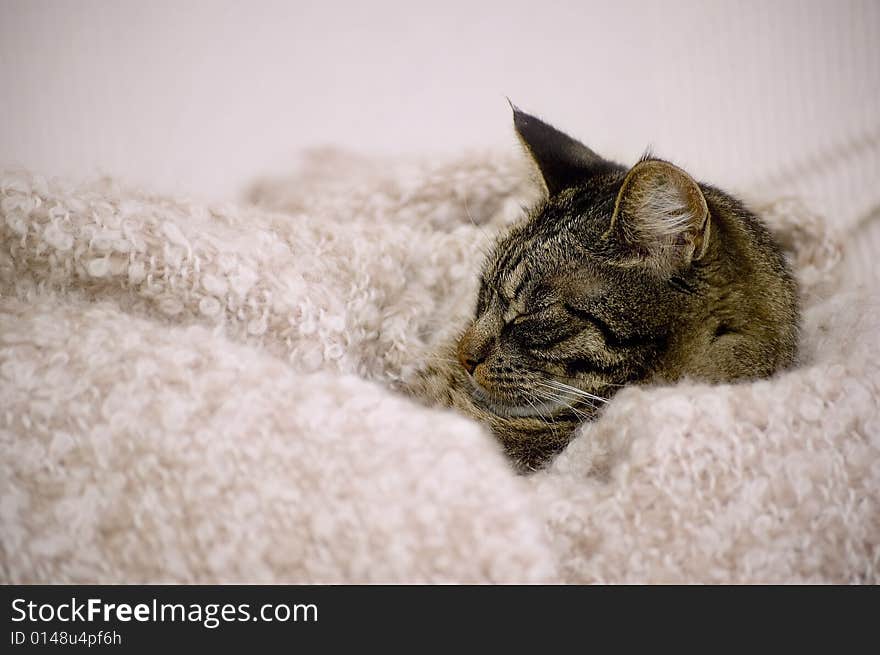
562,401
610,384
538,411
467,211
555,377
561,386
580,414
546,421
592,400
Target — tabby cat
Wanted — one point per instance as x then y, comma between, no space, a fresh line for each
620,276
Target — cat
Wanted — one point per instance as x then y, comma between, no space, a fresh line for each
619,276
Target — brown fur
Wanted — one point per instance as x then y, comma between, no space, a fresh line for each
619,277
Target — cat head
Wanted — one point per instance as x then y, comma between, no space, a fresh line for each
660,217
581,296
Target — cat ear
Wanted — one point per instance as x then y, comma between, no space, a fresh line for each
562,161
660,218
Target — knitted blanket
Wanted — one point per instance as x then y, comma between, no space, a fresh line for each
202,394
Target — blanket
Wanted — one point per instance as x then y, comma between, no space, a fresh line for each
202,394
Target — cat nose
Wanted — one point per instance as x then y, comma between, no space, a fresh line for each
471,353
469,362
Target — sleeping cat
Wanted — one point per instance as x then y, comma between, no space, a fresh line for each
620,276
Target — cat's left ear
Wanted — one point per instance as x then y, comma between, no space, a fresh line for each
562,161
661,219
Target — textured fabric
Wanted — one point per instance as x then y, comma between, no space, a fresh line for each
861,263
204,394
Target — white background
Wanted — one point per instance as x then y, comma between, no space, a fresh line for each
200,97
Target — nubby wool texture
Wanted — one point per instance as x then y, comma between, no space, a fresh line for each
205,394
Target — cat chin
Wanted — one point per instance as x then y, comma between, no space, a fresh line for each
542,410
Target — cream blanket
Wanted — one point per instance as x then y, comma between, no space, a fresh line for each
205,394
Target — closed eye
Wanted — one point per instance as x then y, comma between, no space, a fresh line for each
519,319
542,328
612,338
543,312
607,333
609,336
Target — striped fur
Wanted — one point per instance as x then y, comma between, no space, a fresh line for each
616,278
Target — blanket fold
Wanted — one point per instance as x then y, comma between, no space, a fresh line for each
205,394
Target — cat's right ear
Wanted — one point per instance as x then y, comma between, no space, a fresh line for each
562,161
